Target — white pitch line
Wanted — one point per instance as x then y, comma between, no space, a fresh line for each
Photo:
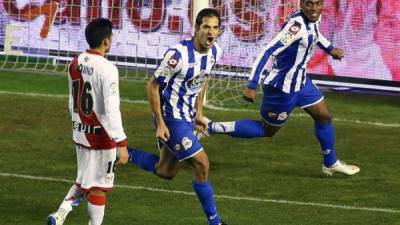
395,125
228,197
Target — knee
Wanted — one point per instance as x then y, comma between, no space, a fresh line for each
201,171
166,174
324,118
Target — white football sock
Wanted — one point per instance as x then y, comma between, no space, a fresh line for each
96,213
223,127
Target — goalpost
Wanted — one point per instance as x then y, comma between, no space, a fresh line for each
44,36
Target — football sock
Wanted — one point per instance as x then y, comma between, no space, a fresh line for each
144,160
96,207
241,128
326,137
205,194
75,194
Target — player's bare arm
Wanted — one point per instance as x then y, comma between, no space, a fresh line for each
154,99
123,155
337,53
249,94
201,124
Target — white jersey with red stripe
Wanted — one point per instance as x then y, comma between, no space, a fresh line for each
94,102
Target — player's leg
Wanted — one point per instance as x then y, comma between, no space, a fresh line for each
144,160
98,179
186,147
168,165
72,199
165,166
244,128
96,206
312,101
324,130
274,110
203,188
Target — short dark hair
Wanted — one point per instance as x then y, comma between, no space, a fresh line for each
98,30
207,12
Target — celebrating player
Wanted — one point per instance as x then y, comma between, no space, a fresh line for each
287,86
96,124
183,75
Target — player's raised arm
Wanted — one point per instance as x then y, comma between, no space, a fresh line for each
289,34
327,46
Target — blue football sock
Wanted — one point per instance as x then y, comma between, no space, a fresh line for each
326,136
144,160
241,128
205,194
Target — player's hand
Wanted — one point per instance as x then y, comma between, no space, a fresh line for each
249,94
201,124
337,53
162,132
123,155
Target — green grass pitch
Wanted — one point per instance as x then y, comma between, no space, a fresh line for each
257,181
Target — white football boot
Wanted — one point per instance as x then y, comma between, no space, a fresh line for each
58,218
340,167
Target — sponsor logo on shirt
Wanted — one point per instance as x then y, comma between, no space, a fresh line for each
86,128
197,81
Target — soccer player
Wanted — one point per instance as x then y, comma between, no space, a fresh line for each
96,124
287,86
182,78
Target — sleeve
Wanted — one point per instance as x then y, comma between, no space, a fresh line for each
114,127
170,65
290,33
324,44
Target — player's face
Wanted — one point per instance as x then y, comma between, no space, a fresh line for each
207,33
312,9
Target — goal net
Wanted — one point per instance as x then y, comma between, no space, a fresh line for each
43,36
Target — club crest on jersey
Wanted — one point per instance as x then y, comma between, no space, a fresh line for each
197,81
113,88
172,62
186,143
295,28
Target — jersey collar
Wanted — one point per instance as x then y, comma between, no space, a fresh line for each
93,52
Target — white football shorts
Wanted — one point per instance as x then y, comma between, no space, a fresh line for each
95,168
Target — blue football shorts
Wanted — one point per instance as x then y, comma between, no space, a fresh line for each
182,142
277,105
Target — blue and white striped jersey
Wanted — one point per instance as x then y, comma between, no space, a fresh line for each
181,75
290,50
